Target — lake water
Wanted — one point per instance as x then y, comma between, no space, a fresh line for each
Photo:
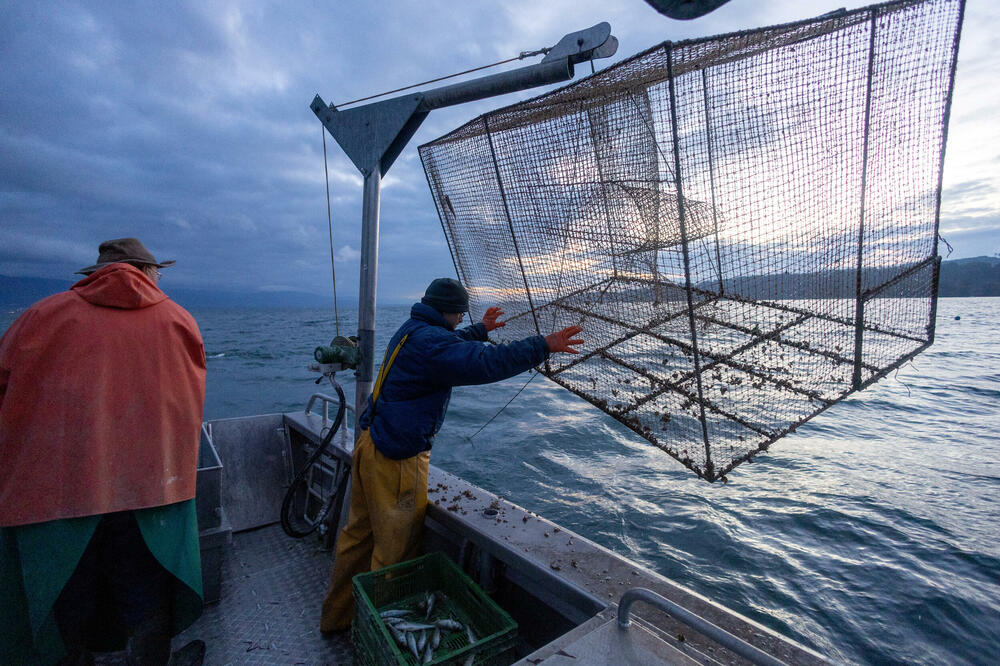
871,534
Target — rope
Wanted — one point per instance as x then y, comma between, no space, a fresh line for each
329,221
521,56
533,375
900,381
945,241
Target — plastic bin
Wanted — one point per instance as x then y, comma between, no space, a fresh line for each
404,586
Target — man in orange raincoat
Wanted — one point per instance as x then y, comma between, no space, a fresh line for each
101,395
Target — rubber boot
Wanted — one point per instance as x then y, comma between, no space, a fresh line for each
192,654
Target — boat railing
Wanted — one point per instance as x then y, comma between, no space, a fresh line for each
696,622
327,400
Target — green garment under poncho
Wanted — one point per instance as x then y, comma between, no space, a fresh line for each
36,561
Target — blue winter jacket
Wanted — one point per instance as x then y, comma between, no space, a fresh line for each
417,388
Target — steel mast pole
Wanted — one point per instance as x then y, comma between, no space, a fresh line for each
368,283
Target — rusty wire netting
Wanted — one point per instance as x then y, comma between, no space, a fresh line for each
744,225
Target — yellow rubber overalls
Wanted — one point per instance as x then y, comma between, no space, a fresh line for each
388,504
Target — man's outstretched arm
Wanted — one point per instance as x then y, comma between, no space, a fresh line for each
461,363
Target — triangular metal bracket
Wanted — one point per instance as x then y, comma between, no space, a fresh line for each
583,45
372,135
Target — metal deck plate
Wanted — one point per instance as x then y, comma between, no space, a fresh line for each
272,590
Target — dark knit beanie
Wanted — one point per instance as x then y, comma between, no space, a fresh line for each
446,295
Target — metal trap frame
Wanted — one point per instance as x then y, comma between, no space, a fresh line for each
745,225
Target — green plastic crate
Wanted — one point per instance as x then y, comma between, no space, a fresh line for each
405,585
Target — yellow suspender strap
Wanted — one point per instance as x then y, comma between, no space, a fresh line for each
385,368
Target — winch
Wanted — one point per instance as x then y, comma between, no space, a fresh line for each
341,354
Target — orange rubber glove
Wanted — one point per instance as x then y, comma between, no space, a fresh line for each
490,319
560,341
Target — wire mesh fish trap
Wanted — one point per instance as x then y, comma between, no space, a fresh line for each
744,225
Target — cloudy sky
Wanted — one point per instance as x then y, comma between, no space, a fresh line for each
188,125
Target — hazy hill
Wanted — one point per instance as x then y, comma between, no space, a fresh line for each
21,292
977,276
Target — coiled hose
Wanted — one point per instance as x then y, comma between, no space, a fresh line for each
291,524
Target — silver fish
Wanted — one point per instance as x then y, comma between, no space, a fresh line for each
411,643
421,641
393,613
428,654
413,626
468,660
430,605
448,623
470,633
399,636
436,638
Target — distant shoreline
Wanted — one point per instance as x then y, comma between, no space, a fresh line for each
975,277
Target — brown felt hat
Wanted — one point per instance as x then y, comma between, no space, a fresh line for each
124,250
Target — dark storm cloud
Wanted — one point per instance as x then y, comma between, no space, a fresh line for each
171,125
187,124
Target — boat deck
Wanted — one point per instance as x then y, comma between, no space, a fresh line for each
272,589
561,588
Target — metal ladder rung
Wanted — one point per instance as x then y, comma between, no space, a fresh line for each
326,461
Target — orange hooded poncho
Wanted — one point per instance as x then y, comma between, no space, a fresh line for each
101,395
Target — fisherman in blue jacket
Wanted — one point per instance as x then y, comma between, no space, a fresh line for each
425,358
